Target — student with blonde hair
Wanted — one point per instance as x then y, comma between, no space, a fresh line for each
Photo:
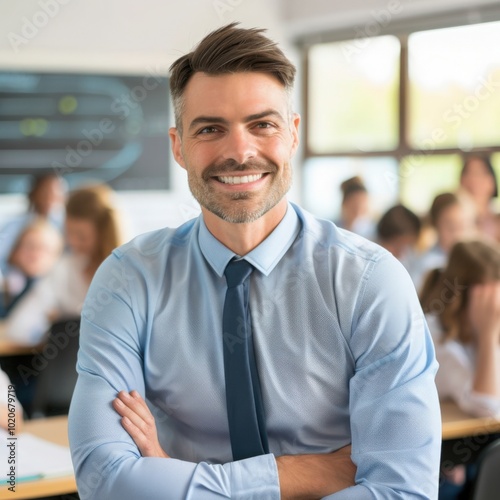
46,199
92,232
34,254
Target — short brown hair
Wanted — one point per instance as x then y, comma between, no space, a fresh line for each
230,50
440,204
398,221
350,186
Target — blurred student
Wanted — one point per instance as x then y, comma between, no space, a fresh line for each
92,232
452,223
462,304
34,254
355,208
45,200
398,231
479,181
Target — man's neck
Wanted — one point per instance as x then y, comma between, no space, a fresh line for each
243,238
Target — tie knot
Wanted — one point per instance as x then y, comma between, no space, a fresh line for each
236,272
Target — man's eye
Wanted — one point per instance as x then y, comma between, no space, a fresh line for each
207,130
264,125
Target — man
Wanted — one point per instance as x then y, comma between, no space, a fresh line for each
339,358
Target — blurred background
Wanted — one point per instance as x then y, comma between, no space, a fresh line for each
392,91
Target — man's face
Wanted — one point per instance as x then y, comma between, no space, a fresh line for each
237,142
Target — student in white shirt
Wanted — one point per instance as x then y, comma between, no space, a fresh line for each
462,303
92,232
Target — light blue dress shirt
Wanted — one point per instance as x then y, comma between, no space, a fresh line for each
343,352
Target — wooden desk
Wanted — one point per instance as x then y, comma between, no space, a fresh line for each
53,429
9,347
457,424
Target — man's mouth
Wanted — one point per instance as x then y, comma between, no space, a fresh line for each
239,179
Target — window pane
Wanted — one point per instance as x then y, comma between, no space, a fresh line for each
454,98
323,176
422,177
353,95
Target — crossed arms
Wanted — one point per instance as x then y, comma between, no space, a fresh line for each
301,477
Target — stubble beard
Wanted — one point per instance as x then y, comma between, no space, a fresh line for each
238,208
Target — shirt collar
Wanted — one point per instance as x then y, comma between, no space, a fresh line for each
264,257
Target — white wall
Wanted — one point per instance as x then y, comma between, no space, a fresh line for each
117,35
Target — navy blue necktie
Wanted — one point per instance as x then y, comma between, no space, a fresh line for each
243,396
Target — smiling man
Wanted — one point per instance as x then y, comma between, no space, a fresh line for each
236,148
280,356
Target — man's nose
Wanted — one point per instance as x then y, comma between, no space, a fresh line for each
239,146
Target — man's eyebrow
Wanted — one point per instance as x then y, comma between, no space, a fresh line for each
203,120
264,114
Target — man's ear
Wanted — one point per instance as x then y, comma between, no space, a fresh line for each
175,140
295,132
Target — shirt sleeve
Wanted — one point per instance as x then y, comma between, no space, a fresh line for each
394,408
455,378
106,460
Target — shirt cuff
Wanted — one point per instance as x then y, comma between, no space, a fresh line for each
358,492
255,478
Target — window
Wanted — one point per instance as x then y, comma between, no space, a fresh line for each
422,177
323,176
353,99
415,103
454,87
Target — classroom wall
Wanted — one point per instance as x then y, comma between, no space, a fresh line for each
117,35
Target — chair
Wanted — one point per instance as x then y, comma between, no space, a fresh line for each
487,485
57,369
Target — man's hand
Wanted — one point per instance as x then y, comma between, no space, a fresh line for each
138,421
309,477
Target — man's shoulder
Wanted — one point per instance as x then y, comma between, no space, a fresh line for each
327,235
158,241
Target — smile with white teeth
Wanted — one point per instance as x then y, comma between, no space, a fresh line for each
242,179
